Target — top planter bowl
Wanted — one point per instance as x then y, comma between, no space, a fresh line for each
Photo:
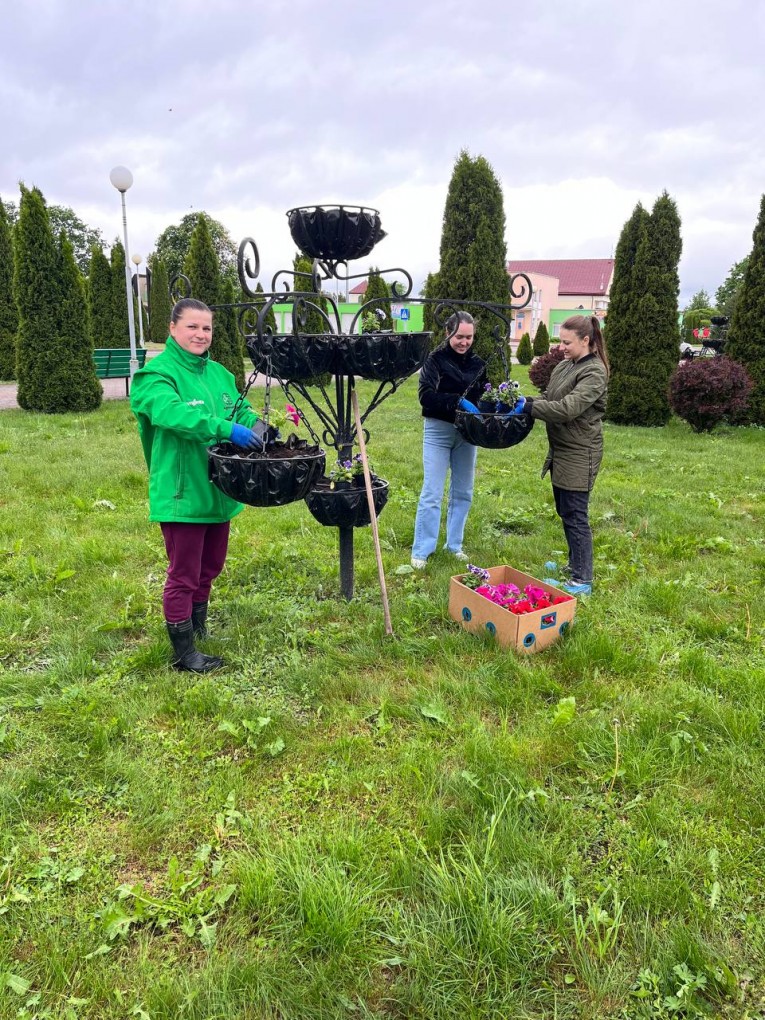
335,231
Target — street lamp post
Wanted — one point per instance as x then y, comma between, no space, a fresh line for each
122,179
137,260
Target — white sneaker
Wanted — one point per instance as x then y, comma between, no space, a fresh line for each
419,564
461,556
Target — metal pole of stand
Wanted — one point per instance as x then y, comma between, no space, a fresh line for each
345,535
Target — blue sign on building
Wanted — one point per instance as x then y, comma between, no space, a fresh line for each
404,313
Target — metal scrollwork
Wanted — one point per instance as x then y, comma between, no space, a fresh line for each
248,266
180,287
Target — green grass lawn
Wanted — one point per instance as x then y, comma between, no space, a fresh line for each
342,824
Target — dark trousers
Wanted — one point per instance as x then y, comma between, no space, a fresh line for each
196,554
573,510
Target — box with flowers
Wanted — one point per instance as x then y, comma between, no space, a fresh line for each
519,610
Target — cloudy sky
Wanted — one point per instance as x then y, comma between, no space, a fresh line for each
583,107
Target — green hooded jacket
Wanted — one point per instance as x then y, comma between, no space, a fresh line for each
182,402
572,408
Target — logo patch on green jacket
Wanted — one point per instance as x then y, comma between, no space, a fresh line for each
195,403
228,401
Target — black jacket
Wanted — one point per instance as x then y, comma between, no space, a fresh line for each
445,377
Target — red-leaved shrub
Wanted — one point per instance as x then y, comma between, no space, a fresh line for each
706,391
542,367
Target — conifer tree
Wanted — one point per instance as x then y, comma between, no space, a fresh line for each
541,341
160,303
524,354
120,331
36,287
55,361
378,288
227,337
78,387
622,332
100,300
203,270
746,339
9,316
269,320
314,321
472,253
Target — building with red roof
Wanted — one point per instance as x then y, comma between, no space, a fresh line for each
561,287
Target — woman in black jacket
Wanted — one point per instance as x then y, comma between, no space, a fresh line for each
450,371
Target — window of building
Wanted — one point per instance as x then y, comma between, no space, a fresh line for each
556,329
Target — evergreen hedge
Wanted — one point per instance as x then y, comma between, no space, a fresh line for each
746,338
9,316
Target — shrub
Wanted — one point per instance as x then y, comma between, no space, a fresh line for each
542,369
706,391
541,341
524,354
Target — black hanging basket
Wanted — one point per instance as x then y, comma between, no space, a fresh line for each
282,474
296,357
335,231
382,355
345,507
493,431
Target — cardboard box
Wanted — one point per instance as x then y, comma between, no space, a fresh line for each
531,632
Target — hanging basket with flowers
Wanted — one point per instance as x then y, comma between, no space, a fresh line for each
339,503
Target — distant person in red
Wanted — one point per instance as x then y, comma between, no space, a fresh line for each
182,400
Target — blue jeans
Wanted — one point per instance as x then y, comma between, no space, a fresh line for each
443,448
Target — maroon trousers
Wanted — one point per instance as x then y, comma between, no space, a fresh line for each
196,554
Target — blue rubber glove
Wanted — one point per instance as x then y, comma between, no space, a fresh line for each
519,406
242,436
465,405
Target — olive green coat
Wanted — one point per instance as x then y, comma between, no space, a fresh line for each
572,407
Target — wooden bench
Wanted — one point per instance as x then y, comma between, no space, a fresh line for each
114,363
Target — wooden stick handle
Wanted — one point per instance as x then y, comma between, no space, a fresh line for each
372,514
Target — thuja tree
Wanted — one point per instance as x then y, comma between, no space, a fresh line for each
524,354
377,288
100,299
226,334
55,361
642,334
314,322
160,304
9,317
120,331
203,270
746,339
541,341
78,386
472,254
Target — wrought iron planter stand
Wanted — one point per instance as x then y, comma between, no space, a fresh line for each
302,361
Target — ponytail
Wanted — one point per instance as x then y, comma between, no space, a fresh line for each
587,327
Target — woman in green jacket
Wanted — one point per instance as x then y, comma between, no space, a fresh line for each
572,407
183,401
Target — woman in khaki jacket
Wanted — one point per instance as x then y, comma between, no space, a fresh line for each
572,407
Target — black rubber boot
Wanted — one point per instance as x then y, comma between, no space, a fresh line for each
186,655
199,619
